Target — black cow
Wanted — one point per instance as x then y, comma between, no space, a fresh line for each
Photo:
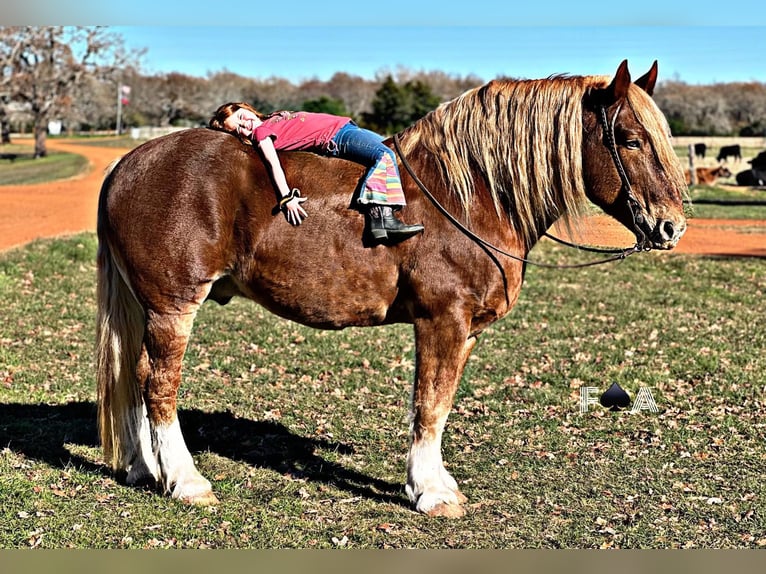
699,150
730,150
759,162
752,177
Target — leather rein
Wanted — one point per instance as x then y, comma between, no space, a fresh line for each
641,227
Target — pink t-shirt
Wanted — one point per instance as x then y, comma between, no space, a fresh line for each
300,130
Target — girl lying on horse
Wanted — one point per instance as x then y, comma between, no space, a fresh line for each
338,136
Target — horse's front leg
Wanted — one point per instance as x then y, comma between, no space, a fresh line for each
165,343
443,348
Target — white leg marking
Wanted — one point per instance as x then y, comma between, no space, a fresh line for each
180,476
428,482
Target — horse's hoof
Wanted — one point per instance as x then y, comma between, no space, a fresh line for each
447,510
203,499
445,503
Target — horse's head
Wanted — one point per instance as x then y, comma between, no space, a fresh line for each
630,168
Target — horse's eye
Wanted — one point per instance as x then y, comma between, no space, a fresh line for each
633,144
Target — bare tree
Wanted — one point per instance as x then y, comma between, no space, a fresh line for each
225,87
173,99
93,106
41,66
748,106
5,123
717,109
355,92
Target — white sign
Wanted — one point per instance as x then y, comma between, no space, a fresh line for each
54,127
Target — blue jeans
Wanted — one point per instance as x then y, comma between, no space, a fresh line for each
362,146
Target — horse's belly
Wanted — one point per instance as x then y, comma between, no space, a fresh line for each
324,297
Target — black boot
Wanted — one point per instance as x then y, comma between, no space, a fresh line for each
383,225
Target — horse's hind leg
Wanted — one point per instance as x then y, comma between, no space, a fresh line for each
165,341
123,425
442,352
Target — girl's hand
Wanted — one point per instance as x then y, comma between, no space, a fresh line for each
292,208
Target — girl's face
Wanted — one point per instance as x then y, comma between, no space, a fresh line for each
242,122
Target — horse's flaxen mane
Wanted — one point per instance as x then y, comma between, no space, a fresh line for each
655,124
525,138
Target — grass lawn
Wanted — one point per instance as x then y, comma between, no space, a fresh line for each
25,169
726,202
303,433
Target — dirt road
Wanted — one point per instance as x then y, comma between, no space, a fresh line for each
717,237
29,212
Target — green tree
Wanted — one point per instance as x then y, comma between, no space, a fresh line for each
423,100
395,107
325,105
388,108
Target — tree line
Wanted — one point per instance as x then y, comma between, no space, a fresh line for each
76,75
721,109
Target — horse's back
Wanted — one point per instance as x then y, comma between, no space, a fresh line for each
201,181
192,213
163,209
171,183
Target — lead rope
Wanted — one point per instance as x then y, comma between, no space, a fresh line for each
621,253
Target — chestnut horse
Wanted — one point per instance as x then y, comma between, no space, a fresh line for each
188,217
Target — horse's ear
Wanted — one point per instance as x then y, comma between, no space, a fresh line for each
618,89
648,80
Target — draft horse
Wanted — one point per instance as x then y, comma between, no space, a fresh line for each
188,217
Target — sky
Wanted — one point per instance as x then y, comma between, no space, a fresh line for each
300,40
696,55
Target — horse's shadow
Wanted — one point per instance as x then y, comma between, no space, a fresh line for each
42,432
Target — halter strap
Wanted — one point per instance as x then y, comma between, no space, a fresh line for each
640,224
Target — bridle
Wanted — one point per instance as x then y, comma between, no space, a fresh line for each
641,227
640,224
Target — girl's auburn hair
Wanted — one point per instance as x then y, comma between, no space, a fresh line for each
228,109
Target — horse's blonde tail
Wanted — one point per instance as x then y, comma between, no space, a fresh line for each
119,334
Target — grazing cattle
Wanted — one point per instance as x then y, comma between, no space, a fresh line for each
752,177
699,150
708,175
730,151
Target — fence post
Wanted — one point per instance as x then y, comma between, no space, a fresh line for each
692,171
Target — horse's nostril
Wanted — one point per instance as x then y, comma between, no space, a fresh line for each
668,230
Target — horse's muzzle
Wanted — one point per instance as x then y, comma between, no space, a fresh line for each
667,233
